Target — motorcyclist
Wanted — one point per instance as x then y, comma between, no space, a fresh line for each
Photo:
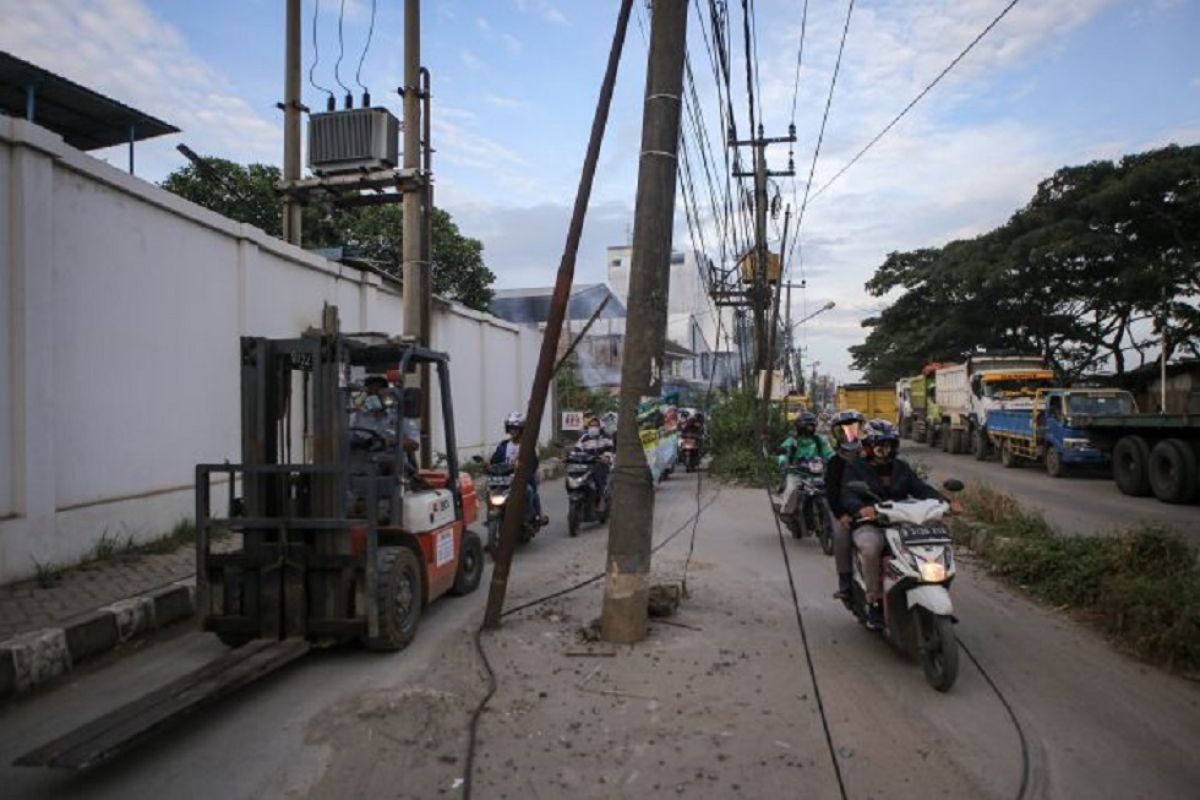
595,441
506,453
889,478
693,424
846,428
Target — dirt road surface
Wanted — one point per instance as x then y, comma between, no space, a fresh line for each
1082,504
719,703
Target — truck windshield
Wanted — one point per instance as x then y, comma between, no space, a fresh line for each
998,388
1116,403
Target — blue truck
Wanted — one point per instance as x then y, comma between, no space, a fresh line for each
1047,431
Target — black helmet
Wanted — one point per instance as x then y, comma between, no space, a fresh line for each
806,423
845,427
881,440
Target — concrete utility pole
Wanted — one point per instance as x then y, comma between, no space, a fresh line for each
514,509
627,588
760,290
415,271
291,122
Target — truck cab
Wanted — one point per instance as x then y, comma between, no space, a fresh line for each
982,383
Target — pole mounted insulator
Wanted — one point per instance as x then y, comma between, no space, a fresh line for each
330,103
349,101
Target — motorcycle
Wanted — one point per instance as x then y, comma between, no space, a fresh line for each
581,491
499,486
805,508
917,568
690,451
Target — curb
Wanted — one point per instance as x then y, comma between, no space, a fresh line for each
30,659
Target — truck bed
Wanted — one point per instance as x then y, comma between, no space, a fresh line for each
1012,422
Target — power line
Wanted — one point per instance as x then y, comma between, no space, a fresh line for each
821,135
366,47
917,99
341,50
316,52
799,60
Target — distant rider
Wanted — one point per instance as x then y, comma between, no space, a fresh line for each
507,452
595,441
890,479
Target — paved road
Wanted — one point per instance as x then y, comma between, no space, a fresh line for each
1085,504
1099,725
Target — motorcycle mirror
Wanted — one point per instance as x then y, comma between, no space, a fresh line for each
953,485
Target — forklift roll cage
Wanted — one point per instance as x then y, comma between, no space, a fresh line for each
292,578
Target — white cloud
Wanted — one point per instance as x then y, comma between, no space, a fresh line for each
120,48
511,43
471,60
503,102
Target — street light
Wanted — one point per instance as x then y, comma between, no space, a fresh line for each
820,310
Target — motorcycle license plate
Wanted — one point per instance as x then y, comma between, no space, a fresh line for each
925,533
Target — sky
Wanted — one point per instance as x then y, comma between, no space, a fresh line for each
515,85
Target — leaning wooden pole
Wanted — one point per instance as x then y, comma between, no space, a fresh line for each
514,511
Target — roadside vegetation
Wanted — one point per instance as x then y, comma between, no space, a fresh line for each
733,433
1141,586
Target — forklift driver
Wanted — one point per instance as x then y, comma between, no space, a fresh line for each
373,427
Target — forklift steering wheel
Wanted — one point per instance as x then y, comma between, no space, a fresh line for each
375,441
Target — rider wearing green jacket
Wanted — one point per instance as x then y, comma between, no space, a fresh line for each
805,442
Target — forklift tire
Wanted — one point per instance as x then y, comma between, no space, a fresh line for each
399,589
470,565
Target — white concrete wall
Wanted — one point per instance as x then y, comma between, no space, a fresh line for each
121,308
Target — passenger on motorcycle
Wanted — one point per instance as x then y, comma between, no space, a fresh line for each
846,428
595,441
506,453
889,478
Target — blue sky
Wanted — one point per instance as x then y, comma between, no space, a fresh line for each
515,83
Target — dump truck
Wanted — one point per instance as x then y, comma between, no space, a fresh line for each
927,416
1045,430
967,391
872,401
1155,454
910,403
338,536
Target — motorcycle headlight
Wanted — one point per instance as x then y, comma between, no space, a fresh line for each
498,499
933,571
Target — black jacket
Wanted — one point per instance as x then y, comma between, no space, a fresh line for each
834,469
902,484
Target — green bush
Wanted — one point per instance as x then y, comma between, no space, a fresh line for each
1142,585
734,438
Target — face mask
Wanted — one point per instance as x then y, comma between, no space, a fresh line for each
594,431
373,403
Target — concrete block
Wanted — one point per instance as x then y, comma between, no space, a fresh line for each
38,656
133,616
173,603
91,634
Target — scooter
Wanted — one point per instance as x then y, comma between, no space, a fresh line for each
581,490
805,509
499,486
690,451
918,568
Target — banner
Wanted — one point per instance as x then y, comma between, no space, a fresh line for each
658,429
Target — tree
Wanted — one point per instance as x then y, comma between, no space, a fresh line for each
247,194
1102,260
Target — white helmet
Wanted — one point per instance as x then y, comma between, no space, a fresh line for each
514,420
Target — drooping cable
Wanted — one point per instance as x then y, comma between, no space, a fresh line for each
316,53
917,99
337,76
366,47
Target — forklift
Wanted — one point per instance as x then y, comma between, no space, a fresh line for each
343,538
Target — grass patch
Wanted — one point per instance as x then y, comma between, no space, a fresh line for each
1140,586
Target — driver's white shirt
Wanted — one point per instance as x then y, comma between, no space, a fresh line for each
511,449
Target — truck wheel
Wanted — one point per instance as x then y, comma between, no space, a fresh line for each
1131,466
944,437
980,445
956,442
918,434
1008,459
1054,465
470,565
1173,471
399,592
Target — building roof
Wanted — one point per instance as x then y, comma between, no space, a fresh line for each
84,118
531,306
